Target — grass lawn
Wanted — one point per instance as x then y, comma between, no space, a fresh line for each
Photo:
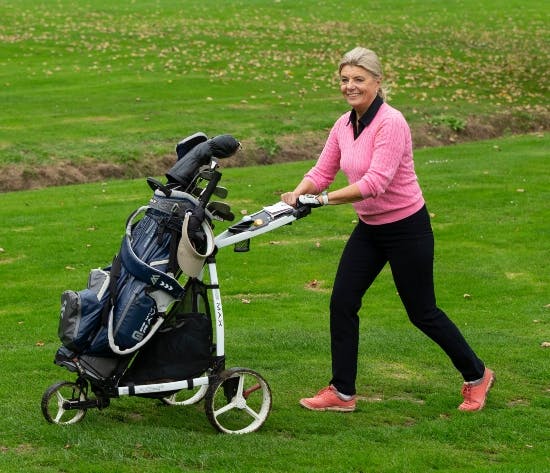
489,202
120,82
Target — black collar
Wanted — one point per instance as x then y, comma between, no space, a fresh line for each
367,117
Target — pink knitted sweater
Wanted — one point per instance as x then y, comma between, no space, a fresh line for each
379,161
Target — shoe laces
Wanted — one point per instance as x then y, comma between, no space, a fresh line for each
324,390
467,392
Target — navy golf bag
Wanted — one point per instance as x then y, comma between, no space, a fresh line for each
124,305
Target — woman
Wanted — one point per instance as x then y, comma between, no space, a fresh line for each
372,145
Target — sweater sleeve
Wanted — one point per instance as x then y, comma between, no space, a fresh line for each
390,144
328,164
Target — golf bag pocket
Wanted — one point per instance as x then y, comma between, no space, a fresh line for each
81,312
134,313
176,352
129,320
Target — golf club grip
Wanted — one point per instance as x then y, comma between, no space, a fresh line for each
210,188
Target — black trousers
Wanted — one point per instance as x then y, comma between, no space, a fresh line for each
408,246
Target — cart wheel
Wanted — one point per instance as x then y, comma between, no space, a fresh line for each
238,402
186,397
55,396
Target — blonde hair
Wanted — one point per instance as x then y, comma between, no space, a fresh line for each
368,60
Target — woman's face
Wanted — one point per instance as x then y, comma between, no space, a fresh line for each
359,87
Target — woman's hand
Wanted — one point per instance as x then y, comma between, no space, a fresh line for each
289,198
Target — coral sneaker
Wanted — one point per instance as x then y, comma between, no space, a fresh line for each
475,395
327,399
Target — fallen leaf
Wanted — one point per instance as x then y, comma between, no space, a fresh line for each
244,212
245,301
39,344
517,402
467,296
312,284
520,190
24,447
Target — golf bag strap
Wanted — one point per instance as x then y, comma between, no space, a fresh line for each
173,266
143,271
126,351
146,273
114,275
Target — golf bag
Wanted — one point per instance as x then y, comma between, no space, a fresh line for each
124,305
135,291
